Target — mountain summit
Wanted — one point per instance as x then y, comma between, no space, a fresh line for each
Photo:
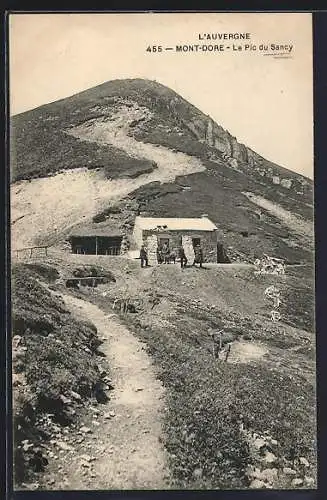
169,158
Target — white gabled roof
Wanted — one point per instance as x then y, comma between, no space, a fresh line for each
175,224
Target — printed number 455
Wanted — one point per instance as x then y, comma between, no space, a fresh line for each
154,48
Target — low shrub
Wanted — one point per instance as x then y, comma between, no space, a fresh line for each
94,271
203,438
207,400
56,354
44,271
99,218
275,402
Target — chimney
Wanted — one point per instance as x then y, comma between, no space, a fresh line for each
204,216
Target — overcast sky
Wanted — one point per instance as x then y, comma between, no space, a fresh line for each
267,103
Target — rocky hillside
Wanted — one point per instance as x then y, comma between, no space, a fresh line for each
168,119
146,143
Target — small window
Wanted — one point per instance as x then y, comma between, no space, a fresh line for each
196,242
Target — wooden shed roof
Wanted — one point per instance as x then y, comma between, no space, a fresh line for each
93,231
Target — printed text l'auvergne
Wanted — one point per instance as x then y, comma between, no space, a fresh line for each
224,36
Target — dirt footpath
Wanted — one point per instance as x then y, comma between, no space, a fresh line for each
126,441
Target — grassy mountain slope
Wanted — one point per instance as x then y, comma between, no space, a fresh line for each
55,367
268,383
100,129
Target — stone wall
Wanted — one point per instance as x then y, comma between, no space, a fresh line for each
151,245
188,248
208,240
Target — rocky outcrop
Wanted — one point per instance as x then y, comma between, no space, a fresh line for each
237,155
216,137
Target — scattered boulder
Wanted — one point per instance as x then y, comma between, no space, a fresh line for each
259,443
297,482
16,340
85,430
304,461
309,481
64,446
94,410
64,399
93,271
257,484
255,473
197,473
75,395
269,475
289,471
269,458
87,458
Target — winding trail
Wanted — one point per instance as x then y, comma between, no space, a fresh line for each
299,226
76,195
130,454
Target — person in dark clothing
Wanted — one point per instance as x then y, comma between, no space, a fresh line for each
182,257
172,256
198,255
165,253
159,255
217,342
143,257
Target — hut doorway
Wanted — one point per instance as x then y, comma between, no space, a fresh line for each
108,245
196,242
96,245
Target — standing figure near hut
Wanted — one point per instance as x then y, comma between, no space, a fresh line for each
172,256
182,257
165,253
159,255
198,256
143,256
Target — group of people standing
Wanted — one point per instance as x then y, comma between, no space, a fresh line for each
164,255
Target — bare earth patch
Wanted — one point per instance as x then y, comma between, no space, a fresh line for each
246,352
294,223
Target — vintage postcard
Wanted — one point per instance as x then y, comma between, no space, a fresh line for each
162,250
